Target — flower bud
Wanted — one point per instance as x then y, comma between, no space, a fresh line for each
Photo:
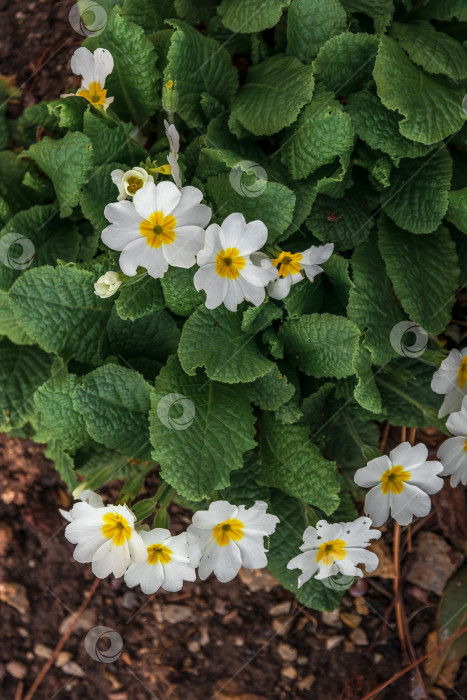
108,284
170,97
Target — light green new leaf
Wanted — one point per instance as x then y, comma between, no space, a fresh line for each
57,413
311,23
321,345
67,162
424,272
214,339
135,81
199,429
434,51
292,463
180,294
272,390
198,64
140,298
273,94
248,16
345,63
380,10
457,211
22,370
115,144
418,196
115,403
322,132
432,108
57,307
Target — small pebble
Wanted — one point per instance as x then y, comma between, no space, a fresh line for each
63,658
73,669
289,672
193,647
306,682
332,642
286,652
359,637
16,669
351,620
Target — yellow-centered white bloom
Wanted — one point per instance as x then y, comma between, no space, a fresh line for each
230,268
330,549
167,565
106,537
453,452
401,484
108,284
161,226
229,537
451,379
174,144
94,69
88,496
130,181
293,267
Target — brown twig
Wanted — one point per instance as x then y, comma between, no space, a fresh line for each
403,434
384,436
19,691
48,664
412,434
415,663
399,606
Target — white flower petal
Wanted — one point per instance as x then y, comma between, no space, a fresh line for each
217,512
146,200
215,287
445,378
124,226
82,63
317,254
407,456
103,65
149,577
110,559
371,474
280,288
453,457
184,248
231,231
358,555
452,402
377,506
412,501
234,295
426,477
212,246
457,422
139,254
252,552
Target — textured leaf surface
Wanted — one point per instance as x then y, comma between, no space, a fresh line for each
199,458
179,291
63,463
247,16
214,339
273,94
310,23
381,11
366,392
115,144
457,212
432,108
9,326
345,62
443,9
272,390
424,272
99,191
57,413
350,221
140,299
321,344
115,403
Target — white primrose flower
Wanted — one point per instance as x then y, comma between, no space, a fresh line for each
401,484
229,537
94,68
167,565
230,268
161,226
87,496
451,379
336,548
108,284
130,182
174,143
453,452
106,537
292,268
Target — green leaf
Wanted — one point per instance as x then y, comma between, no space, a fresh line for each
457,211
451,619
256,318
345,63
310,23
292,463
305,298
135,81
434,51
115,403
443,9
366,392
196,11
272,390
273,94
57,413
69,112
214,339
12,172
48,238
180,294
379,127
246,16
57,307
321,345
9,326
371,303
63,463
67,162
140,298
198,64
425,288
208,440
404,87
22,370
143,13
99,191
112,144
381,11
322,132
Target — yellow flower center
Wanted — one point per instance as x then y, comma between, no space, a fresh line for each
169,84
95,94
329,551
288,263
158,229
462,373
228,530
133,184
393,479
116,527
229,262
159,553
